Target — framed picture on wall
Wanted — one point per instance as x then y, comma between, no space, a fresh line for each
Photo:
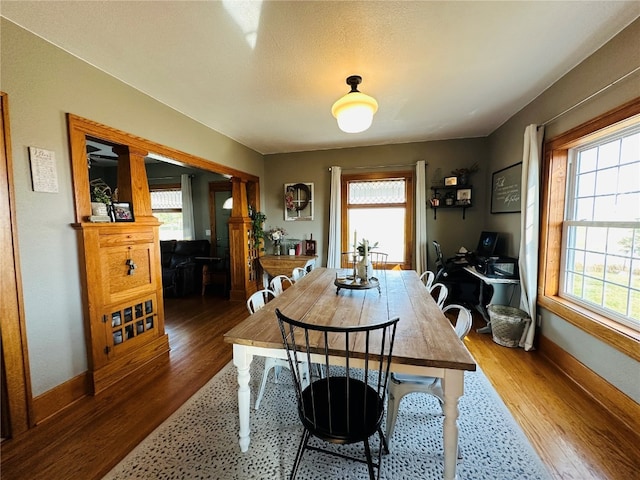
298,201
506,188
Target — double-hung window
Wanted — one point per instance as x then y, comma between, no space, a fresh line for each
166,204
601,231
590,232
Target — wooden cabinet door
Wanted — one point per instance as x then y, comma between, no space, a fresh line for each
130,325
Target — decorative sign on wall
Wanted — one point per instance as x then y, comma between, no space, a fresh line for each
298,201
505,189
44,173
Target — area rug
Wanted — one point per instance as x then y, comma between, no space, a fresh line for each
200,440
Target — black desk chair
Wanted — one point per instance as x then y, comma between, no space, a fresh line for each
346,405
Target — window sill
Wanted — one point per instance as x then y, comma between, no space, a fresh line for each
620,337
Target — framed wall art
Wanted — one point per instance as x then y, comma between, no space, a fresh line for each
298,201
505,189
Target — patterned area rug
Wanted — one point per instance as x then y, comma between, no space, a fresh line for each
200,440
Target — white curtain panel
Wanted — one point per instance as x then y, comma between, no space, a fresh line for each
529,228
188,224
421,217
333,256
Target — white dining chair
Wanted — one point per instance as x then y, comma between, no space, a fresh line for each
279,283
401,385
255,302
298,273
427,278
439,292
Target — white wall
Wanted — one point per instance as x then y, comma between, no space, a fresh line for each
43,84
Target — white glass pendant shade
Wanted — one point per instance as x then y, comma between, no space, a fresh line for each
354,112
228,204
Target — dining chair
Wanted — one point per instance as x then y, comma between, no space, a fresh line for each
347,405
378,260
439,292
279,283
298,273
427,278
255,302
401,385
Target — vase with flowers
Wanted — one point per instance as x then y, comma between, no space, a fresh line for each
464,173
276,235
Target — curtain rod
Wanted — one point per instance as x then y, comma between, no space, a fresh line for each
606,87
380,166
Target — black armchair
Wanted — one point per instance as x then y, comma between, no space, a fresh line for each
181,274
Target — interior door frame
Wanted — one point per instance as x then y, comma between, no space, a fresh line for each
215,187
17,403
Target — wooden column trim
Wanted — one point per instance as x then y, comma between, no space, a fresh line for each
133,185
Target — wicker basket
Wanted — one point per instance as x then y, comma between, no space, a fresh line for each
507,324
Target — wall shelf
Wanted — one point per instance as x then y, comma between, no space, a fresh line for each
458,196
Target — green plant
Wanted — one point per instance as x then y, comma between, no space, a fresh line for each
258,219
100,191
370,247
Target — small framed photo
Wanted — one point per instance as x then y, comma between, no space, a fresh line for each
123,212
463,196
450,181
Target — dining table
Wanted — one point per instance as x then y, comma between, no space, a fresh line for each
425,342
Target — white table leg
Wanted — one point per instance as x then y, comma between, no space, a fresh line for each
242,360
453,388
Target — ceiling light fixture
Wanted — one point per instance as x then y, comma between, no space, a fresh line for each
228,204
355,110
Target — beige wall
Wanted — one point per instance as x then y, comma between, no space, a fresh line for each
614,60
441,157
43,84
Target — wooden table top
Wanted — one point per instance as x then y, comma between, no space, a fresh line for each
424,336
276,265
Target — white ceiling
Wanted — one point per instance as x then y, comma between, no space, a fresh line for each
266,73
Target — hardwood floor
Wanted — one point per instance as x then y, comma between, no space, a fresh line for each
573,436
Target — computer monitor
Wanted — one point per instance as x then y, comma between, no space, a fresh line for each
487,244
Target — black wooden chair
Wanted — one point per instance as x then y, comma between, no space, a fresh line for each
347,405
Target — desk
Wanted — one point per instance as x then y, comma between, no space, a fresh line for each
425,343
274,265
501,295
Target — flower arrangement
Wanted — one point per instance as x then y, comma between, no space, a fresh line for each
463,173
276,234
370,246
288,199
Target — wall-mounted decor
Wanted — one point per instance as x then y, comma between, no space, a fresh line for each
505,189
44,173
298,201
463,196
450,181
123,212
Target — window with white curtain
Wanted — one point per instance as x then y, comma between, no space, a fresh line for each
600,266
166,204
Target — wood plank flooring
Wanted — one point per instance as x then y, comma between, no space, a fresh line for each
574,438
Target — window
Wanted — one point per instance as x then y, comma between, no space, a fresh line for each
380,208
601,232
166,204
590,255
